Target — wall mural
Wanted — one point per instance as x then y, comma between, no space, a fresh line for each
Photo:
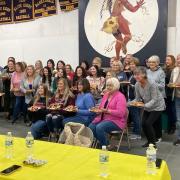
111,28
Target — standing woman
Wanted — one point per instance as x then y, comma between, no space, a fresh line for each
157,75
170,103
69,72
175,79
148,92
29,86
47,79
84,102
51,65
60,65
6,78
80,73
16,79
38,66
96,82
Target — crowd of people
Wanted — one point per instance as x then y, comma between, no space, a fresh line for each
29,91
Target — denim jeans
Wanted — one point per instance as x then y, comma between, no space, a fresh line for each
38,128
54,122
20,106
135,115
78,119
177,104
101,129
171,112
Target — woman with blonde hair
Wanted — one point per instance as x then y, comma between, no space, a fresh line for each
63,97
29,85
38,66
38,112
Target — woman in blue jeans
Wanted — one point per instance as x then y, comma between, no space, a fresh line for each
84,102
38,112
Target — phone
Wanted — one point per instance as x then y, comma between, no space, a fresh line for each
10,169
158,163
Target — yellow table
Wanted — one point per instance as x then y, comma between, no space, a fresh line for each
75,163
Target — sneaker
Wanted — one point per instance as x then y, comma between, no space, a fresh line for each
177,142
134,137
159,140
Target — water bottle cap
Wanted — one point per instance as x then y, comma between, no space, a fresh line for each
103,147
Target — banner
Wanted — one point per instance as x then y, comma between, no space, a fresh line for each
43,8
23,10
6,11
68,5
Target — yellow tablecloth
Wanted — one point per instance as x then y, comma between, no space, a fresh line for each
75,163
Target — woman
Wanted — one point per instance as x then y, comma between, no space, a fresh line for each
80,73
64,97
96,82
170,103
175,79
38,66
16,79
112,115
38,112
47,79
51,65
157,75
84,102
69,72
29,86
134,112
60,74
85,65
148,92
60,65
9,98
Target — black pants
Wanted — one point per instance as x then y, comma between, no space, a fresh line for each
148,120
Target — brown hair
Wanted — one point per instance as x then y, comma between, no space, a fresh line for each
135,61
30,66
20,65
86,85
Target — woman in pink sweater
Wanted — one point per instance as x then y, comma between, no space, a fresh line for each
112,112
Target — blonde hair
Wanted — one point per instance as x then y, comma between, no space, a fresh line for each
98,59
135,61
46,94
40,62
115,82
67,92
29,66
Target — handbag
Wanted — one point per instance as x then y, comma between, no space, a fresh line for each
76,134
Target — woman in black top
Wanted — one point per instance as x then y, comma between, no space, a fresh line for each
6,78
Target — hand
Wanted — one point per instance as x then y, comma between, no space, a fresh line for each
140,3
29,91
105,110
15,89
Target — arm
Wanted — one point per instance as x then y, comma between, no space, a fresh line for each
120,109
130,7
154,96
161,83
137,94
88,103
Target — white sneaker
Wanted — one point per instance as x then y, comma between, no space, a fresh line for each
134,137
159,140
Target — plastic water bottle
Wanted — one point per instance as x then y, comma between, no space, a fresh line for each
29,145
9,145
151,159
104,162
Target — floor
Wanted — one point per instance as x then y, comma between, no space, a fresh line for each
166,151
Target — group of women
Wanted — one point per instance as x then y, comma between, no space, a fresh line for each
28,86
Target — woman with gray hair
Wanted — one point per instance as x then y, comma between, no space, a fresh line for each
156,74
111,112
148,92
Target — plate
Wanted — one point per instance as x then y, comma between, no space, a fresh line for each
137,104
95,110
33,108
70,108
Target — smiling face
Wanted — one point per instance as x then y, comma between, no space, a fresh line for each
41,91
60,73
45,71
50,65
79,72
168,61
93,71
10,65
68,69
60,85
60,65
152,64
80,87
132,66
18,68
38,65
178,60
30,71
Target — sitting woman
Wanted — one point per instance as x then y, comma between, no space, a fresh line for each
63,97
148,92
112,112
38,112
84,102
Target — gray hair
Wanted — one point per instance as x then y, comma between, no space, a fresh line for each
154,58
114,82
